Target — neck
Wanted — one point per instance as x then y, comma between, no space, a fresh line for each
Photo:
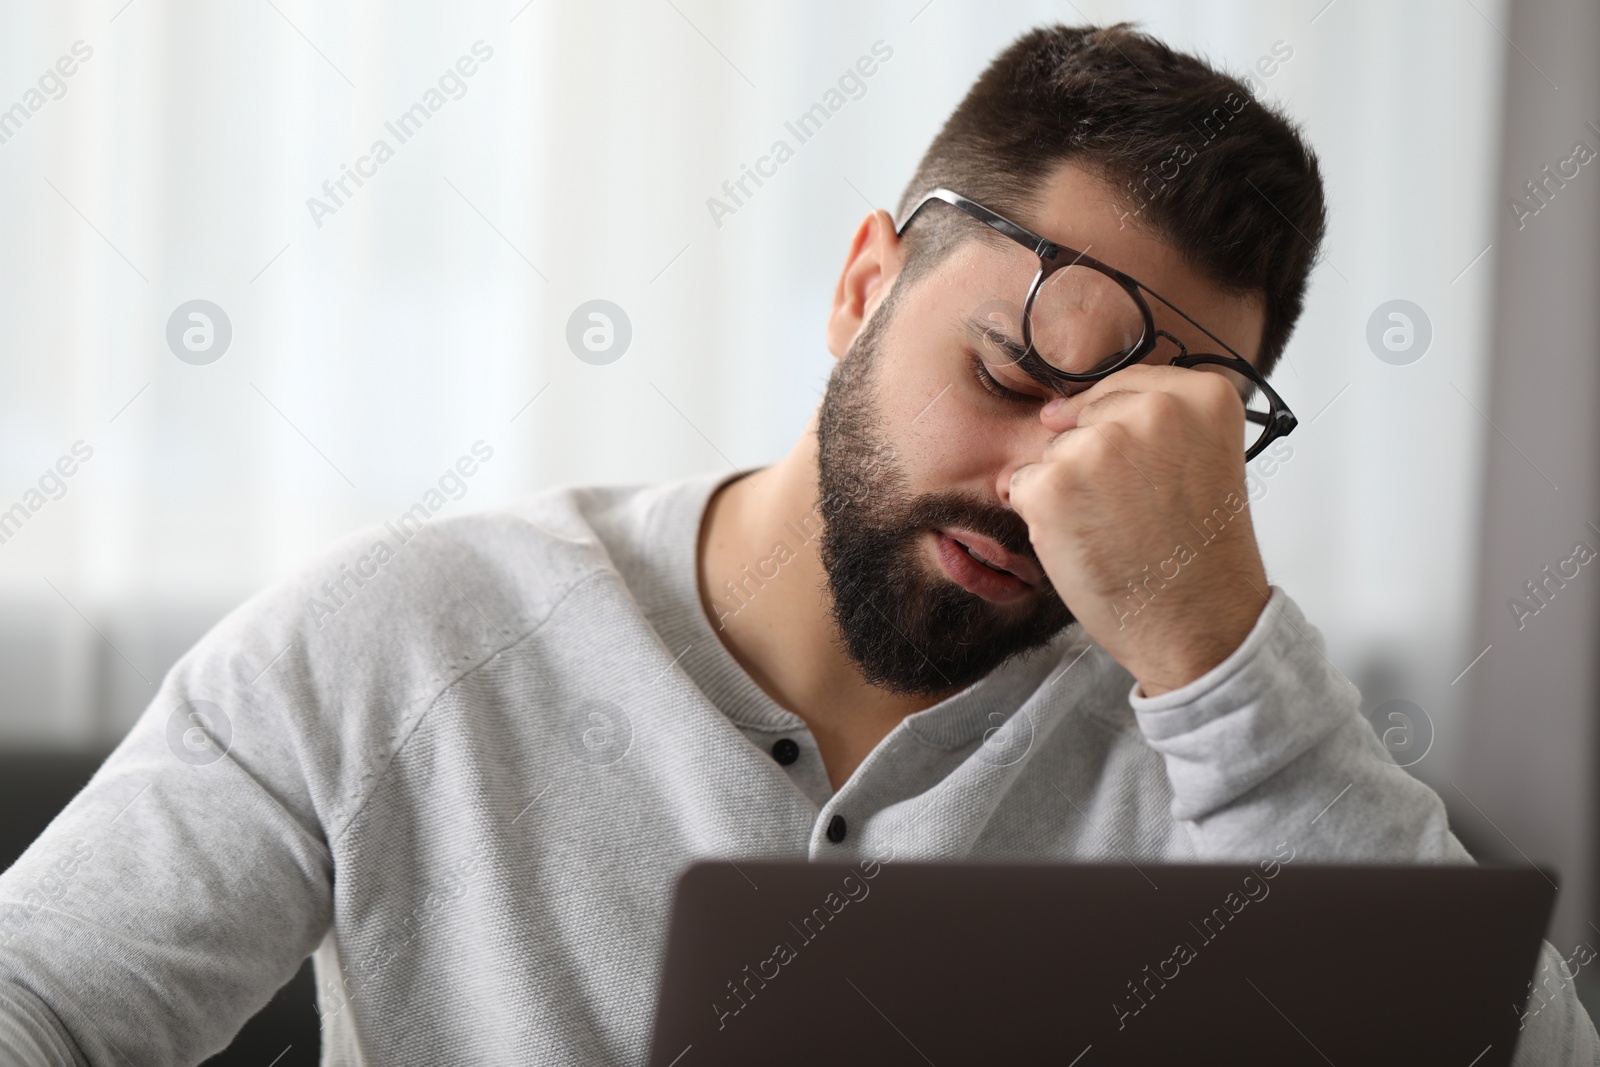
764,588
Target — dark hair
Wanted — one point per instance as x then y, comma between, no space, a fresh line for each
1220,177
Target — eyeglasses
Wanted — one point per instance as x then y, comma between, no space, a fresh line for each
1083,320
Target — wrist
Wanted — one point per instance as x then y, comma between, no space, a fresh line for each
1215,630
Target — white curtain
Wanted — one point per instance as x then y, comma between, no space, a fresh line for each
376,338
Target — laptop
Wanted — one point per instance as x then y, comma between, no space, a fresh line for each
1085,964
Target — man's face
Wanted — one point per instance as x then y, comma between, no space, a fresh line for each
933,578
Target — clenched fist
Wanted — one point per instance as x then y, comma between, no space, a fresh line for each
1138,512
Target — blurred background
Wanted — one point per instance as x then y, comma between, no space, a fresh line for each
246,330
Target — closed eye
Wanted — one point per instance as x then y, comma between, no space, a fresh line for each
992,385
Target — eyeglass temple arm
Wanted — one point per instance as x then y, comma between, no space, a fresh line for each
1037,244
1020,234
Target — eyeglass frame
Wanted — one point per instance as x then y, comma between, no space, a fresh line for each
1279,421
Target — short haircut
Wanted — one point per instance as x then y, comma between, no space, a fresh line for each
1203,166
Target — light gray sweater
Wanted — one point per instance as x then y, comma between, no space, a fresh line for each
464,768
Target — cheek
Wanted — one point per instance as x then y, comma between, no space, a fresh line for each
946,441
945,433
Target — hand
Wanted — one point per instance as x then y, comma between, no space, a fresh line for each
1138,512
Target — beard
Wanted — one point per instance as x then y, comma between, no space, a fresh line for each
908,628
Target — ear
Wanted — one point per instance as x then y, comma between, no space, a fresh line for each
874,262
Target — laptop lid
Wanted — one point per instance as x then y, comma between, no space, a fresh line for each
916,964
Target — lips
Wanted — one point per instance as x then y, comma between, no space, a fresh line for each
980,565
989,552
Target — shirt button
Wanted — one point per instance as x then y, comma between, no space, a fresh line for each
785,751
836,829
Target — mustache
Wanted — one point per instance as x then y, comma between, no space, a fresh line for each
954,509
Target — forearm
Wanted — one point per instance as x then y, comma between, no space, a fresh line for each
1270,747
165,904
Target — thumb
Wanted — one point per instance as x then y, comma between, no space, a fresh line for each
1061,414
1020,489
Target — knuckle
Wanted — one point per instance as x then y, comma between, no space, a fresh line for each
1111,440
1219,394
1061,446
1049,482
1159,409
1162,403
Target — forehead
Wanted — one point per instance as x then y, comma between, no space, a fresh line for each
1082,211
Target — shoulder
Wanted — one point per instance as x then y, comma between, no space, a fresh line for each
332,665
389,587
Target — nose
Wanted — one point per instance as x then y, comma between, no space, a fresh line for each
1002,485
1063,419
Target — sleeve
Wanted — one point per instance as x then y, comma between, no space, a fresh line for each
187,881
1271,743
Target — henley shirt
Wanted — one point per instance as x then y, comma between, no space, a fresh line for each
462,767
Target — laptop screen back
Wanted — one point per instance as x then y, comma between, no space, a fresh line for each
906,963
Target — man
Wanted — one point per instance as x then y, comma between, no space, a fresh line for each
469,788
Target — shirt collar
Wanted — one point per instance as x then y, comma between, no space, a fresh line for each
669,597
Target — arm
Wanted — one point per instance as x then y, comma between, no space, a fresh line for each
1271,743
183,885
1138,511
